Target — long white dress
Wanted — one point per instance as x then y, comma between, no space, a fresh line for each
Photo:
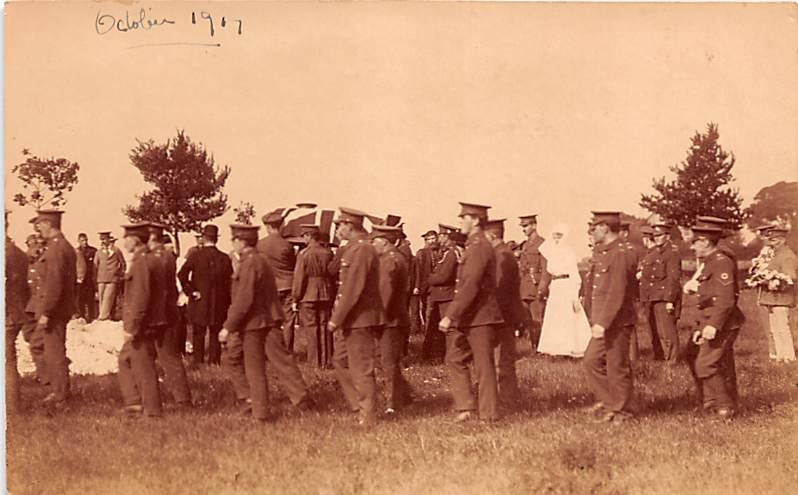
566,331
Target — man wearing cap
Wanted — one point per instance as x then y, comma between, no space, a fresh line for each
471,321
197,245
393,275
660,293
109,265
777,298
508,295
610,308
357,316
17,296
422,267
535,278
313,293
710,353
440,285
205,279
86,276
36,269
253,326
142,316
281,258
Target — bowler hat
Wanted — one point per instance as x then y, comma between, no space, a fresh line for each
210,232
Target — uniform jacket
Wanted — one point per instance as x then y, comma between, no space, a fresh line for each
718,292
404,249
109,265
634,256
508,283
661,271
85,264
138,293
255,303
422,267
784,261
36,271
443,278
209,272
56,299
162,309
358,303
17,290
394,271
608,296
534,277
474,302
280,255
312,281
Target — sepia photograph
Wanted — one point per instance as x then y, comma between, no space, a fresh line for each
400,248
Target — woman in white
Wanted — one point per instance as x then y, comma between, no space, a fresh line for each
566,331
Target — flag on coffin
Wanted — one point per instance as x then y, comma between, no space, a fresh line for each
307,213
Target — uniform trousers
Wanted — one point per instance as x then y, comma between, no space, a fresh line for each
505,357
354,368
434,346
536,309
464,346
609,373
313,316
168,356
55,359
397,389
35,339
779,324
712,366
138,378
107,295
245,363
198,343
664,335
287,302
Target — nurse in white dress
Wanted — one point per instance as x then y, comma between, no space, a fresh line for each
565,331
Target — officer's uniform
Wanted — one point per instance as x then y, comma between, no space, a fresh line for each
35,339
441,284
313,292
422,267
475,316
253,322
609,303
17,295
356,318
279,253
535,280
138,378
660,284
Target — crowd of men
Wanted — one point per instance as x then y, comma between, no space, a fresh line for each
357,298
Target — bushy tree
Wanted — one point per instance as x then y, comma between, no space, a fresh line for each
245,212
777,203
702,185
187,185
45,181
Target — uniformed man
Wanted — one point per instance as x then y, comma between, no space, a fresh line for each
610,308
535,278
422,267
357,316
86,279
471,321
634,256
777,298
508,295
55,303
647,238
36,270
660,293
17,296
440,284
253,325
710,354
109,265
313,293
142,317
393,276
281,258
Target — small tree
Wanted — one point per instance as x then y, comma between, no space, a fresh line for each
187,185
45,181
701,187
245,212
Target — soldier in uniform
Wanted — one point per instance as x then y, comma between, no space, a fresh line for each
17,295
357,316
109,265
36,270
422,267
535,278
440,284
710,353
281,258
253,325
86,276
393,276
55,303
313,293
660,293
143,317
508,295
634,258
610,309
471,321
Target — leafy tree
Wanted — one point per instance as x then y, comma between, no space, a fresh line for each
701,187
45,181
245,212
187,185
777,203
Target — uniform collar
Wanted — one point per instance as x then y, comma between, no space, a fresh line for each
474,238
357,237
604,248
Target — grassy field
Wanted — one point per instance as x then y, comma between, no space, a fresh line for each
548,446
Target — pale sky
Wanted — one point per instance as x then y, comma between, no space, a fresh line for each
405,108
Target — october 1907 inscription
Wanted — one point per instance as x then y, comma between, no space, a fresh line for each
144,19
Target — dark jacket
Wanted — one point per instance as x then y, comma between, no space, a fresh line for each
609,298
718,292
312,282
138,294
57,296
535,279
442,280
207,271
358,303
280,255
17,290
508,282
393,277
255,303
660,274
474,302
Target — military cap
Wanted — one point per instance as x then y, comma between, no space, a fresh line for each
647,231
350,215
429,233
274,217
244,232
473,210
777,230
605,217
306,205
104,236
496,226
708,227
662,227
393,220
762,229
528,219
718,222
388,232
139,230
211,232
51,216
446,229
156,228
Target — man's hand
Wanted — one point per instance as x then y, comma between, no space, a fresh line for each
597,331
196,295
669,307
223,333
691,286
294,307
639,275
709,332
445,324
331,327
80,280
43,321
416,291
697,340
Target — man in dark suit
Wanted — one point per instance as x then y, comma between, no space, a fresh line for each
205,278
421,267
17,295
86,279
281,258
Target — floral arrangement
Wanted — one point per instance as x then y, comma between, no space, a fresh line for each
760,276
